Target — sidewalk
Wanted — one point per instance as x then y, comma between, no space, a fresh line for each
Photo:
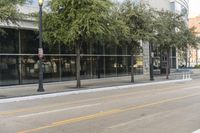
70,86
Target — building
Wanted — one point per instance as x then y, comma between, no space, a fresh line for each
19,59
194,54
176,6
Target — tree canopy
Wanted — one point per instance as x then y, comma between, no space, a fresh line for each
79,22
70,21
8,10
138,19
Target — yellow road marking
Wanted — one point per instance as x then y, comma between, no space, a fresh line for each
107,113
13,112
73,120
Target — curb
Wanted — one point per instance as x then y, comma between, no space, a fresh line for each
197,131
26,98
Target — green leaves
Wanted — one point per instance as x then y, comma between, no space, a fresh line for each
138,19
172,31
101,21
73,20
9,12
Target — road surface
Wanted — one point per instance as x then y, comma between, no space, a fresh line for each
165,108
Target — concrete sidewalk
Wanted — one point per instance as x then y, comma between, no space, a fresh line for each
70,86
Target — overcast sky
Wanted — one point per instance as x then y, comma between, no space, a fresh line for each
194,6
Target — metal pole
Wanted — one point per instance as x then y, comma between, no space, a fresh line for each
40,87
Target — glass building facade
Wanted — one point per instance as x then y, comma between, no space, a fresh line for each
19,60
181,7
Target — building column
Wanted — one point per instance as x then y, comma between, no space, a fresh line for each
177,58
145,46
197,56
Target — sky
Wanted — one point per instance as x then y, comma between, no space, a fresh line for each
194,8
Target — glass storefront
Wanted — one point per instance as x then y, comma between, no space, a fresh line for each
9,73
19,60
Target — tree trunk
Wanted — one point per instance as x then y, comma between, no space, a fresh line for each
168,64
186,58
98,62
132,69
151,62
78,85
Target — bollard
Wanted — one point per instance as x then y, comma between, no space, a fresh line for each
189,76
185,75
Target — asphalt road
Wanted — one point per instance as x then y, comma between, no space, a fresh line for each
166,108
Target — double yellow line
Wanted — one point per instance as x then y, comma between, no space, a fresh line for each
107,113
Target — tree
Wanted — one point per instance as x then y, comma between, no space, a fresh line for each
139,19
9,12
168,27
172,32
77,22
188,39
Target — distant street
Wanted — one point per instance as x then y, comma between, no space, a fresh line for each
166,108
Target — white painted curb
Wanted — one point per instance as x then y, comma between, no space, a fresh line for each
25,98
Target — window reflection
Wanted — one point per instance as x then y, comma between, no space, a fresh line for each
30,69
9,42
19,60
68,67
29,41
9,73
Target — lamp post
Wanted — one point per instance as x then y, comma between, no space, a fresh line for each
40,50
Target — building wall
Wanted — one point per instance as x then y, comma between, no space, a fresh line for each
195,22
194,54
158,4
177,6
19,60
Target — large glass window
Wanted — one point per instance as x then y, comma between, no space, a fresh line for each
110,49
111,66
52,68
9,73
67,49
51,49
68,68
9,42
29,69
29,42
19,60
